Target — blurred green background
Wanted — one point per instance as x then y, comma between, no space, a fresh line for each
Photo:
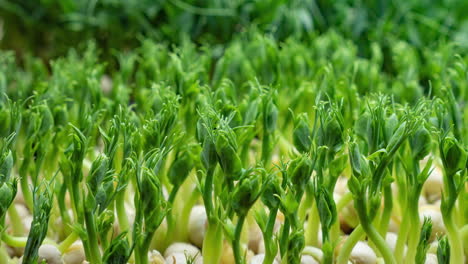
48,28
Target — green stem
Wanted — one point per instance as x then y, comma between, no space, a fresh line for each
238,257
207,192
379,242
181,233
270,254
75,196
15,221
349,244
464,237
456,248
170,218
387,211
95,254
284,238
63,208
402,236
20,241
67,242
4,257
213,243
121,212
14,241
140,257
413,239
344,201
27,194
306,204
312,230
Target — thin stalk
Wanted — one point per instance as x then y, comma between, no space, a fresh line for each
238,256
170,218
20,241
456,248
387,211
266,149
75,196
402,236
67,242
121,212
27,195
15,221
344,201
95,254
140,257
461,207
349,244
284,238
14,241
269,255
208,190
63,208
379,242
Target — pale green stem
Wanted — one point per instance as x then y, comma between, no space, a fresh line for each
344,201
4,257
349,244
456,248
65,244
312,230
213,244
15,221
413,239
402,236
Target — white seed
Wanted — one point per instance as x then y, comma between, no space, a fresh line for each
106,84
348,216
198,223
433,247
50,254
433,186
155,257
255,236
227,257
23,213
74,254
27,221
19,198
341,186
431,259
316,253
393,226
306,259
181,258
184,248
363,254
391,239
258,259
433,212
